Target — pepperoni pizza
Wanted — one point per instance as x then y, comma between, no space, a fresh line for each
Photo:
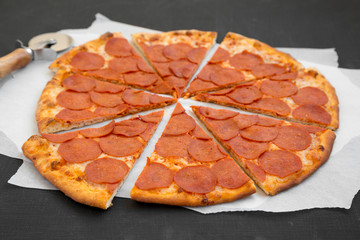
90,165
188,168
175,55
276,154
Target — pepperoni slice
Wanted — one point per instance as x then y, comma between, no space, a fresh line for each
136,98
74,100
154,117
218,99
245,95
199,133
86,61
118,47
266,70
229,174
272,105
226,76
259,133
278,88
256,171
292,138
146,135
124,65
106,74
310,95
280,163
247,149
142,79
208,70
79,83
200,85
245,60
225,129
173,146
179,124
79,150
285,76
143,66
106,170
196,55
178,109
244,121
106,99
177,51
204,150
98,132
313,129
182,68
105,111
130,128
163,69
268,122
313,113
218,114
156,99
60,138
74,116
119,146
196,179
221,55
160,87
155,53
105,87
177,83
222,92
154,175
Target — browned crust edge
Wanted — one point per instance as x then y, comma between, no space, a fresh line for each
326,141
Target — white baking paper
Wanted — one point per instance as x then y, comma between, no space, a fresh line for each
20,92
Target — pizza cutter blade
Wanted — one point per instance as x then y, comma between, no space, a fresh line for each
41,47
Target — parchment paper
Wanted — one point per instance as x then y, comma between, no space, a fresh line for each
333,185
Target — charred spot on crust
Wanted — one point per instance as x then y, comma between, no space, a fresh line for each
79,178
55,165
257,45
205,200
106,35
321,147
154,38
188,33
180,190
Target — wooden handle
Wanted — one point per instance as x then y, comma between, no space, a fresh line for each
14,60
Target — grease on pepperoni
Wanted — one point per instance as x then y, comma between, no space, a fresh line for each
245,94
196,179
229,174
79,150
106,74
199,133
268,122
208,70
119,146
205,150
285,76
98,132
86,61
272,105
225,129
106,87
196,55
259,133
154,175
182,68
130,127
218,114
179,124
124,65
106,170
173,146
136,97
256,171
245,60
155,53
312,113
163,69
107,111
247,149
106,99
154,117
143,66
310,95
178,109
118,47
267,70
226,76
200,85
177,51
221,55
244,121
292,138
280,163
60,138
79,83
74,100
141,79
146,135
278,88
74,115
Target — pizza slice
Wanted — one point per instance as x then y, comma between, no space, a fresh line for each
90,165
188,168
72,100
175,55
111,58
276,154
240,59
305,97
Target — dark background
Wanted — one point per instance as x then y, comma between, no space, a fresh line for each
38,214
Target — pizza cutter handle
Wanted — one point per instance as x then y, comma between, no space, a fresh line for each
17,59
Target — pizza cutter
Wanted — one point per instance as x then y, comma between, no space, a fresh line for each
42,47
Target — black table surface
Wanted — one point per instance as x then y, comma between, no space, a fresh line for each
38,214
